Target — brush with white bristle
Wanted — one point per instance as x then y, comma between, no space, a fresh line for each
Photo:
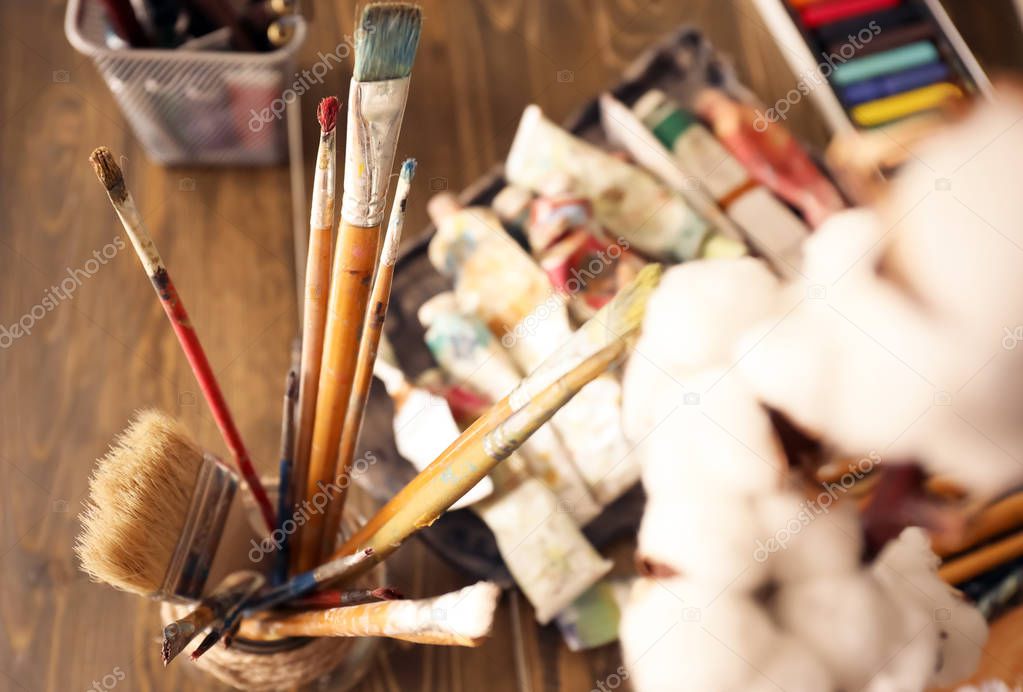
158,507
459,618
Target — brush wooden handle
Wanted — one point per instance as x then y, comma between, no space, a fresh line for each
360,395
314,322
460,618
196,356
982,560
354,262
352,621
110,175
486,443
1000,517
372,329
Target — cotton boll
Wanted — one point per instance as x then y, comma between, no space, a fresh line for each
718,439
909,555
912,649
962,638
676,635
649,393
789,365
855,363
845,620
957,235
674,532
808,538
848,242
700,308
789,666
907,571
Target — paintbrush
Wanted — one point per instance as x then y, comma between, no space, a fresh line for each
317,284
385,46
594,348
424,424
110,175
340,599
460,618
299,585
236,588
371,330
285,501
157,509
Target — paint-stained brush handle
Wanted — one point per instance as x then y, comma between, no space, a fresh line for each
352,276
372,329
112,178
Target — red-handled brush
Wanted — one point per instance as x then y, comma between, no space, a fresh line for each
110,175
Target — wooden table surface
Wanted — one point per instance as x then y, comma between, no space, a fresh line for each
104,351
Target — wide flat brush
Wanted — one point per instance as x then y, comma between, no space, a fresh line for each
385,46
372,329
317,285
110,175
157,509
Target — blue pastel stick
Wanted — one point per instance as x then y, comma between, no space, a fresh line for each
889,85
894,60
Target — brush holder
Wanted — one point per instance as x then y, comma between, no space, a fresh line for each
324,663
197,107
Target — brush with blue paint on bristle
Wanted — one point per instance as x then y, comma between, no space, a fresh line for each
385,46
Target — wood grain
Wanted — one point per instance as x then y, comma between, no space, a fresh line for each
106,350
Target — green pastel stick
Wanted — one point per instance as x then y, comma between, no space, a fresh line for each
894,60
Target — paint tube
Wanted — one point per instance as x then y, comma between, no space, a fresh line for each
499,282
468,352
627,201
579,259
545,551
771,155
676,146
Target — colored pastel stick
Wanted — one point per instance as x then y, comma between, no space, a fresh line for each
895,60
822,13
889,85
885,21
899,106
887,39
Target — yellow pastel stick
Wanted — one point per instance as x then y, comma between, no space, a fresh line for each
894,107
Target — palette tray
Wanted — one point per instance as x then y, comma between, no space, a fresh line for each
679,65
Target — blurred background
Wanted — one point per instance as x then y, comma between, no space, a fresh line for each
105,350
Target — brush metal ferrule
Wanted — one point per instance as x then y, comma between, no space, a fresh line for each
375,111
324,182
189,568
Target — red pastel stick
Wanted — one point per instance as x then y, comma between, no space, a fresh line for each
822,13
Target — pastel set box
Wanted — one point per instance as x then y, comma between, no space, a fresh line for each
871,63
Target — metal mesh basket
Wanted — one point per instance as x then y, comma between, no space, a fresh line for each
193,107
